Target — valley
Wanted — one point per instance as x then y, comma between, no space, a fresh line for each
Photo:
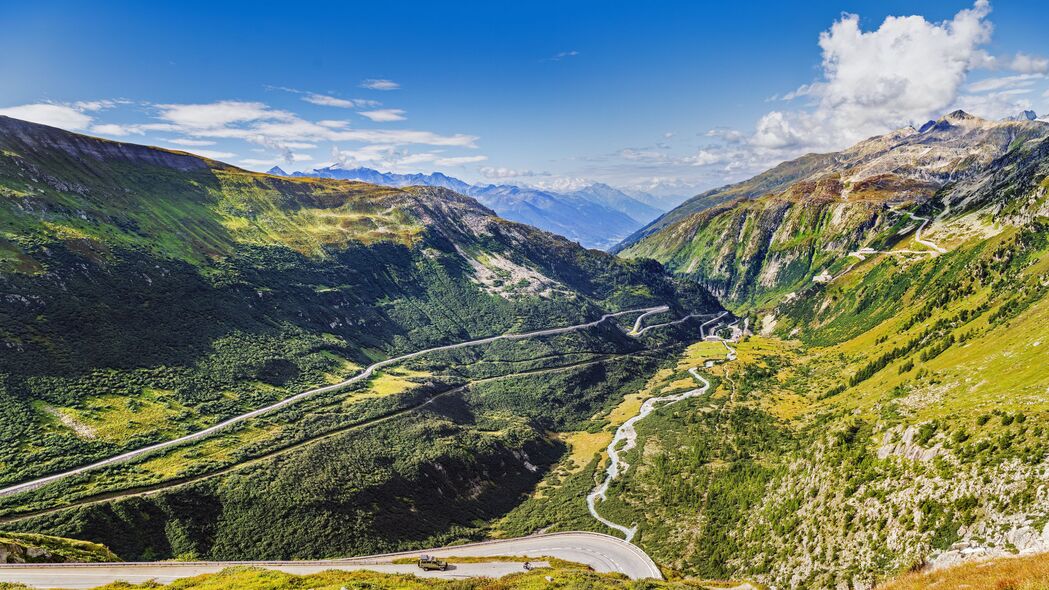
357,370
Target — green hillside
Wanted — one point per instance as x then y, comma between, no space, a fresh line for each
891,413
150,294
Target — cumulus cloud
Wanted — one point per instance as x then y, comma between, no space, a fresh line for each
384,115
380,84
55,115
907,70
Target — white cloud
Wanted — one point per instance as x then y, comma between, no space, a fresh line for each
191,142
333,124
705,157
97,105
342,103
504,173
380,84
726,134
1029,64
384,115
459,160
562,55
775,130
219,114
997,83
55,115
116,130
996,105
563,184
212,154
907,70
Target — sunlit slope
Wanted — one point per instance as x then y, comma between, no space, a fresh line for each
760,248
149,294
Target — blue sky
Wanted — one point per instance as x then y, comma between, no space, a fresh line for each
667,97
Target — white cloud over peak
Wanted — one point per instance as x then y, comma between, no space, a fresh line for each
384,115
55,115
907,70
379,84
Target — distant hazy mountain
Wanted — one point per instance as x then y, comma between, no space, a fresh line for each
597,216
618,200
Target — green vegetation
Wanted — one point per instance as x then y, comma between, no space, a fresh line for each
33,548
149,294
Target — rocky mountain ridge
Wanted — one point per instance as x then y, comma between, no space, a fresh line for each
596,216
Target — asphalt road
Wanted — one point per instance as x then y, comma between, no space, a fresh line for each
363,375
603,553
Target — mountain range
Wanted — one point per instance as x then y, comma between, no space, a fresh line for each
855,342
596,216
150,293
774,232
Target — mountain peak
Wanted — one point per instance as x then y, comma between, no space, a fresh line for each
959,115
1026,115
276,171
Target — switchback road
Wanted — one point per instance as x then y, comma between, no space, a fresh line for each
362,376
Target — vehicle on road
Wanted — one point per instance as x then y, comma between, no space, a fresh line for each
427,563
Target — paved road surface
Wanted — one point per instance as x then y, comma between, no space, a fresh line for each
601,552
363,375
641,318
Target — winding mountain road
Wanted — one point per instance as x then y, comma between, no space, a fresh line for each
363,375
862,253
626,434
603,553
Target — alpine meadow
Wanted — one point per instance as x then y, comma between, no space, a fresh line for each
577,296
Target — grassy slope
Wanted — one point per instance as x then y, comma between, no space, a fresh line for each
154,293
777,473
33,548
